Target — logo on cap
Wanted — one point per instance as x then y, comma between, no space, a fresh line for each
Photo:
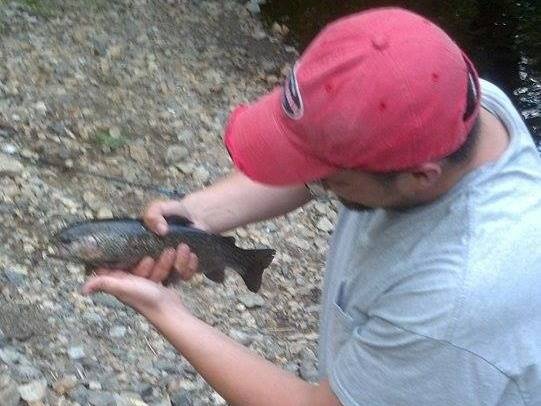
291,96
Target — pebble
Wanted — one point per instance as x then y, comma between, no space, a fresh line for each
33,391
241,337
65,384
76,353
139,153
251,300
104,213
201,175
253,7
10,166
9,395
181,398
118,332
324,224
175,154
16,274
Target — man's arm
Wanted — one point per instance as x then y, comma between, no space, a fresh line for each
239,375
235,372
237,200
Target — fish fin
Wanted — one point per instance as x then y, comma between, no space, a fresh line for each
252,267
178,220
216,276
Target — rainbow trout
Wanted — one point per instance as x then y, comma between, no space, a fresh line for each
121,243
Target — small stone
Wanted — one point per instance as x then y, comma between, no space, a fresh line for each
185,136
181,398
118,332
9,355
241,337
129,399
201,174
325,225
139,153
115,132
9,149
65,384
16,274
10,166
9,395
218,400
34,391
76,353
94,385
27,373
175,154
41,108
185,167
259,35
104,213
97,398
251,300
253,7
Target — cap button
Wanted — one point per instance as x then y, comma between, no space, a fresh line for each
380,42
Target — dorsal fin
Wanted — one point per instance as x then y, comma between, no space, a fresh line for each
178,220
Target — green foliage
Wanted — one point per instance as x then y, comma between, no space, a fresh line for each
106,141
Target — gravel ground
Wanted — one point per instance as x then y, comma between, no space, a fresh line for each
139,90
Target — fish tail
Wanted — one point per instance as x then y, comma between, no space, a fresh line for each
252,266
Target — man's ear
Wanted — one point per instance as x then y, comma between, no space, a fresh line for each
419,180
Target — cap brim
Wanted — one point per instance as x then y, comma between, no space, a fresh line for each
261,147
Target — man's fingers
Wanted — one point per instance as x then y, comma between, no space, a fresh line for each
110,282
194,263
163,265
182,260
144,267
154,215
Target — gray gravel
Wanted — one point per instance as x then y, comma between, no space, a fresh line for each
139,90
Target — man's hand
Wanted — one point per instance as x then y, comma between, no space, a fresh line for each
143,295
180,260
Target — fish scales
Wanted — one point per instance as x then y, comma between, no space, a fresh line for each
122,243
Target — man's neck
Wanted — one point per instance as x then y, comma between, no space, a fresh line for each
492,143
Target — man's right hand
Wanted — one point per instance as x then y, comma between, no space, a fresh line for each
180,260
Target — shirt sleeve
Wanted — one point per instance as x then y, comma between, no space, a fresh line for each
383,364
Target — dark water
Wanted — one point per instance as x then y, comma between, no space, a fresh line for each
502,37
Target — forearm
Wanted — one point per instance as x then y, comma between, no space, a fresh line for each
238,374
236,200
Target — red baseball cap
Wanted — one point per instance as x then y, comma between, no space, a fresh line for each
381,90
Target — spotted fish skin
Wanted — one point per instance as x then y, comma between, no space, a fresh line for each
120,243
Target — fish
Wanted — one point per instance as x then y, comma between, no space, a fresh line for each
120,243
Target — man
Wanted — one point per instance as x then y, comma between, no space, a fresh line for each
432,285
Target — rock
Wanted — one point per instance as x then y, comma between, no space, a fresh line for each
115,132
9,149
10,355
9,395
241,337
175,154
76,353
96,398
10,166
118,332
33,391
16,274
26,373
65,384
185,136
104,213
41,108
251,300
201,175
129,399
92,201
94,385
218,400
253,7
181,398
139,153
324,224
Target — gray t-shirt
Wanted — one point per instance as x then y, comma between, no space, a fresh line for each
441,304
